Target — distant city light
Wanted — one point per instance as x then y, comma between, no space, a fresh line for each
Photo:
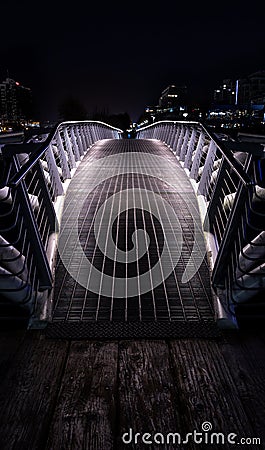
237,85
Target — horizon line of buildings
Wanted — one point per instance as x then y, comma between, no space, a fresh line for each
244,91
233,101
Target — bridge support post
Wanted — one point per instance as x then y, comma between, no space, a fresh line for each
75,148
69,149
188,157
197,157
184,145
180,140
176,138
79,141
62,155
82,138
207,170
53,169
37,247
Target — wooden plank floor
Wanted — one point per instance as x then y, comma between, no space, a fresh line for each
57,394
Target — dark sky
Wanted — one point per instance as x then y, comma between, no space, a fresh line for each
120,56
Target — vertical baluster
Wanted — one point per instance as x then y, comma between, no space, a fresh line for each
207,170
184,146
180,140
53,171
79,140
74,144
176,137
37,247
197,157
62,156
188,157
71,156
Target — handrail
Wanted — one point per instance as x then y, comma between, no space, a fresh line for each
33,207
232,217
42,147
226,152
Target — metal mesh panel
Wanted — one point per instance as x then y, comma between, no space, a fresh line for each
172,300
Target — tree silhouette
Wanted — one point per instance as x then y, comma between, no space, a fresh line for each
72,109
120,120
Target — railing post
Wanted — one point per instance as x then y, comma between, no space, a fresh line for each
167,134
96,133
37,248
171,134
217,195
232,226
50,211
70,153
62,156
76,151
163,132
188,157
228,237
180,140
176,137
184,146
159,132
53,171
207,170
78,140
87,136
91,139
83,138
197,157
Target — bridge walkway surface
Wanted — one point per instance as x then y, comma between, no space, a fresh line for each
124,353
139,242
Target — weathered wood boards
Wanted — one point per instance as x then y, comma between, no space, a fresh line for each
56,394
85,414
28,391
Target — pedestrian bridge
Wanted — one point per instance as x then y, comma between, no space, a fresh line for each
158,236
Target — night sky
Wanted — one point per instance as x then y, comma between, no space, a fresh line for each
120,56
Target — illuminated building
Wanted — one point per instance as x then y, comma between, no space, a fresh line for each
15,102
252,88
226,93
173,97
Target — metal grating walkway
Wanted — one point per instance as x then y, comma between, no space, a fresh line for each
131,248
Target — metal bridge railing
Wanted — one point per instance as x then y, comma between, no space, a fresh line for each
229,181
34,179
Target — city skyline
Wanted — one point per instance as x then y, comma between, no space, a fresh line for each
242,93
121,58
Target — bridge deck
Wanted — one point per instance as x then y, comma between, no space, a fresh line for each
151,180
86,393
